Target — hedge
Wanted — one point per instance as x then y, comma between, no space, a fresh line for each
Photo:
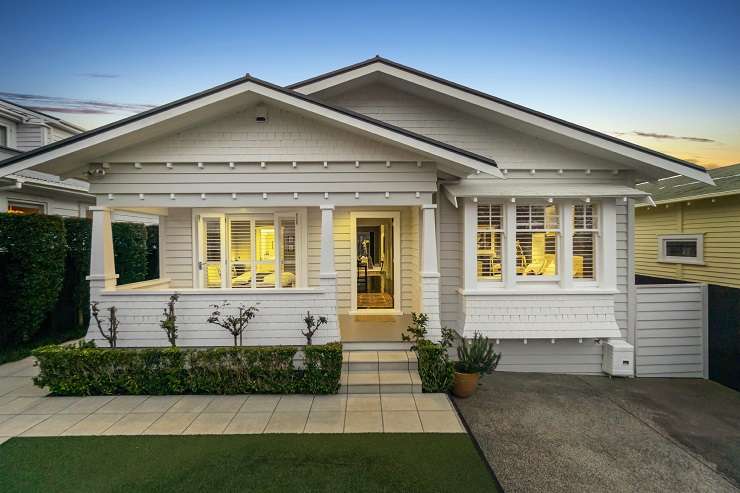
129,247
435,368
70,370
152,251
32,253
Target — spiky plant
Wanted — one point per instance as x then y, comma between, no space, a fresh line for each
476,355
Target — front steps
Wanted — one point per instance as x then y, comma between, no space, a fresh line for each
379,372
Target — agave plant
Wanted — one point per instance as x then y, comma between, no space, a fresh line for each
476,355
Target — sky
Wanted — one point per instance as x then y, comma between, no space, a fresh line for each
665,75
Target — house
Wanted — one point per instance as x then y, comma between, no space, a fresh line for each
33,192
691,232
365,194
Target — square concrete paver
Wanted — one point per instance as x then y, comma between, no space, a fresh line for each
54,425
287,422
294,404
132,424
19,405
29,390
209,424
440,422
336,403
248,423
20,423
398,402
363,422
157,404
363,403
191,404
225,404
325,422
122,404
94,424
260,403
8,384
401,422
432,402
171,424
52,405
87,405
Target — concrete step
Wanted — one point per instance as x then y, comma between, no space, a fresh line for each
379,361
376,345
383,382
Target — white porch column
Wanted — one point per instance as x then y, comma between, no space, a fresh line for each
429,276
328,275
102,265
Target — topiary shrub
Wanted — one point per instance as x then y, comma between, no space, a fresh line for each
32,253
71,310
323,368
129,247
152,251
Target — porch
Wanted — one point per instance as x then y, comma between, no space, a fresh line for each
284,260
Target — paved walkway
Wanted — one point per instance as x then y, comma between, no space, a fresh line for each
26,410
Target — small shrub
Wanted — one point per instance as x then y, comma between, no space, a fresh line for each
312,326
169,324
152,251
435,368
83,370
235,324
323,368
417,331
111,333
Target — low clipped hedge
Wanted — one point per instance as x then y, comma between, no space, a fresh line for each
130,252
435,368
71,370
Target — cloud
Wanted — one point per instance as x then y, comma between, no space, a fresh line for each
56,104
98,75
658,136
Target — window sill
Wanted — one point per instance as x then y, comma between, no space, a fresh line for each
214,291
681,261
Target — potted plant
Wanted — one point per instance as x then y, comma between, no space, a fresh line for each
475,358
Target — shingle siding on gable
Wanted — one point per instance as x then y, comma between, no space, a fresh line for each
510,148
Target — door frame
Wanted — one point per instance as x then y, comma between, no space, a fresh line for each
396,217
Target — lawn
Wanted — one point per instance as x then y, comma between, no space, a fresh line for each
356,463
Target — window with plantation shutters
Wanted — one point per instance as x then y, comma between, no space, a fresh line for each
537,238
488,241
256,251
585,229
212,252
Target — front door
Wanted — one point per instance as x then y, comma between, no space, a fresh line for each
375,262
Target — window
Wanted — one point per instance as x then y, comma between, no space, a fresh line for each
585,229
3,136
681,248
25,208
537,237
488,242
252,249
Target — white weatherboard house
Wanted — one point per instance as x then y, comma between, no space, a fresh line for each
366,194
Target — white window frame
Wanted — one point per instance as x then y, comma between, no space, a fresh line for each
698,237
502,231
30,203
225,215
513,230
7,144
597,253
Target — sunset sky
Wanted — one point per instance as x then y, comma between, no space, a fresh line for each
665,75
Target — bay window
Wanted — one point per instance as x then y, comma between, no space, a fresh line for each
537,238
249,250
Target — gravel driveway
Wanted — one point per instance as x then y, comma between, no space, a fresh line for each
543,432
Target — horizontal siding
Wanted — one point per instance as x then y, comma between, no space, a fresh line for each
178,257
669,330
30,137
542,356
450,263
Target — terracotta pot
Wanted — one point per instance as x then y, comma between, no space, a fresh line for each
465,384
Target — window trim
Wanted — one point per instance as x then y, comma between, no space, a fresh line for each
698,237
502,231
300,215
32,203
514,230
597,253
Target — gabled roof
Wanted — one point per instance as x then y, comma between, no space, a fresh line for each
537,118
680,188
137,123
24,113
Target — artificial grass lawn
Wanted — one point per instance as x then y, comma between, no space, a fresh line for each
356,463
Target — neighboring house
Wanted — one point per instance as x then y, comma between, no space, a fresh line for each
366,194
693,231
692,234
33,192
